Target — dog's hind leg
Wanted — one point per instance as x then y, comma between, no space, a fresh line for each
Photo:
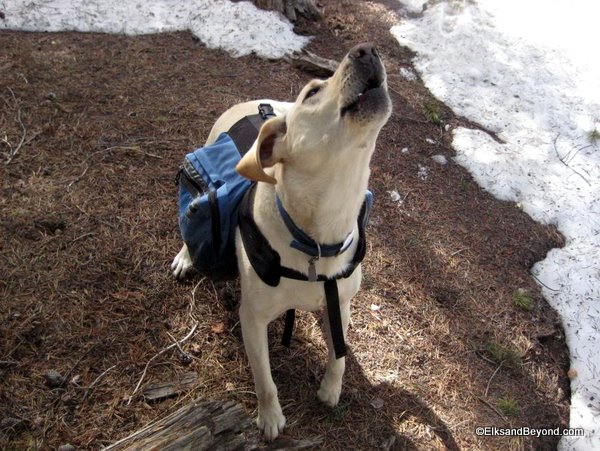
331,385
182,263
254,331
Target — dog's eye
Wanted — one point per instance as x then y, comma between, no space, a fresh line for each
312,92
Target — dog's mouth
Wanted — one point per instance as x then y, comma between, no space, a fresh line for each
372,91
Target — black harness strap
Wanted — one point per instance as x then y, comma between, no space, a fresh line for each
267,264
335,318
334,315
288,328
244,132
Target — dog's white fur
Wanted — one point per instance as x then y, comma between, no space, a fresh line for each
319,156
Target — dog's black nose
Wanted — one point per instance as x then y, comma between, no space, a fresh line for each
363,52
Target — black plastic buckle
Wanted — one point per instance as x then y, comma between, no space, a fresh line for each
266,111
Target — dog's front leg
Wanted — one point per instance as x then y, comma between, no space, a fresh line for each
331,385
254,332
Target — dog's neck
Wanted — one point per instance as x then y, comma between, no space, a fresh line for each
325,205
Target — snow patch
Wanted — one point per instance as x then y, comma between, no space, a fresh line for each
530,77
239,28
408,74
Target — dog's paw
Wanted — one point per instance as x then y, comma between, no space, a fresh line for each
271,422
182,263
329,393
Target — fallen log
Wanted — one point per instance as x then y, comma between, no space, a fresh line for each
205,425
291,8
198,425
314,64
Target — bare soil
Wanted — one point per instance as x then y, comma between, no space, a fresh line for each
88,220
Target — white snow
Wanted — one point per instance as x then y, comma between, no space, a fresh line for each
408,74
239,28
423,172
529,72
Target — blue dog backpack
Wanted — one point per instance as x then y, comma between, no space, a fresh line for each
210,191
209,194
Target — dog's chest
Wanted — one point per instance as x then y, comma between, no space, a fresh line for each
310,296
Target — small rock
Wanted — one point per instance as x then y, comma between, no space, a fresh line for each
50,225
440,159
395,195
54,379
377,403
66,447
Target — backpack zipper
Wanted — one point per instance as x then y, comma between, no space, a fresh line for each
213,203
200,189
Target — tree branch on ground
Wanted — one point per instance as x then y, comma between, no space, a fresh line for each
291,8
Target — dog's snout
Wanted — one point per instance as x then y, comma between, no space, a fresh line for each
363,52
363,60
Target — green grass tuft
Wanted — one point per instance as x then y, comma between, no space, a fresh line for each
509,406
465,185
432,113
502,354
522,300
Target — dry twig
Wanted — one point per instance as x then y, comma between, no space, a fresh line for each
487,387
184,354
135,149
171,346
93,384
564,160
13,153
542,283
78,178
192,305
496,411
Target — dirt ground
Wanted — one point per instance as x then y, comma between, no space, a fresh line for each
92,131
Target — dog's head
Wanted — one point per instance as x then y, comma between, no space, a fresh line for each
330,120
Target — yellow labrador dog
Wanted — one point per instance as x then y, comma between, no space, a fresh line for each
314,156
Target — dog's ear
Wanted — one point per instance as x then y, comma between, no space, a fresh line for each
268,150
